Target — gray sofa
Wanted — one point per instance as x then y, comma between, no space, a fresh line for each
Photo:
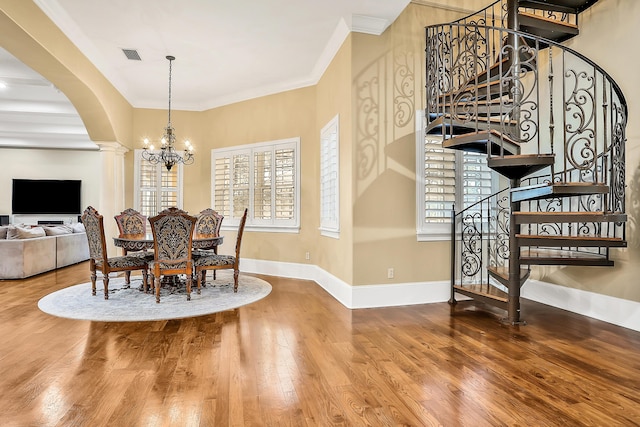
22,258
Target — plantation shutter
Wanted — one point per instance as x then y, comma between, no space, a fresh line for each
477,181
147,196
222,185
446,179
262,177
285,183
329,178
263,192
157,188
439,181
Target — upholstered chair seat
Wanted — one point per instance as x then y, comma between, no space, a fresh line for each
127,261
213,260
204,262
98,259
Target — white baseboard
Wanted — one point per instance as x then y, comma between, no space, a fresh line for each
366,296
609,309
613,310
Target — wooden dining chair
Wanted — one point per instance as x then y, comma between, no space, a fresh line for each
98,260
208,224
172,245
219,262
131,222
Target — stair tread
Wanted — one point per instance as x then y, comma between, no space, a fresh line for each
484,290
508,102
560,213
568,25
570,241
504,271
517,166
471,89
517,157
563,184
546,256
557,254
551,190
546,28
501,274
550,217
482,137
569,238
448,118
567,6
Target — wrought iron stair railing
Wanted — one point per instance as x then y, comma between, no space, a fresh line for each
480,241
558,103
549,119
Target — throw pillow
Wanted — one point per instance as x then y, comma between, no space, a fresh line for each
78,227
57,230
3,232
12,232
25,233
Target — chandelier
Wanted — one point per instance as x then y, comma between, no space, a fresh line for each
168,154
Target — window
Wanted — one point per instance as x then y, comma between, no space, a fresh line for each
156,188
438,171
263,177
329,179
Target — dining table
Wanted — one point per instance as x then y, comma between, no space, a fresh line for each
140,242
144,241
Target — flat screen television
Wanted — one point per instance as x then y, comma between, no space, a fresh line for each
46,196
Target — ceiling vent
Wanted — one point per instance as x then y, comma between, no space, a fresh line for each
131,54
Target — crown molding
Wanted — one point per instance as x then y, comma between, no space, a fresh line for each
368,24
439,5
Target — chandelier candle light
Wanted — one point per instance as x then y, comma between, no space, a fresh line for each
168,154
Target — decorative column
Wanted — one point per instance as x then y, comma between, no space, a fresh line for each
111,188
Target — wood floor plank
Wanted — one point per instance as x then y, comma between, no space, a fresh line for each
300,358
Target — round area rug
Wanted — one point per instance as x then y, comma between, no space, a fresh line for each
131,304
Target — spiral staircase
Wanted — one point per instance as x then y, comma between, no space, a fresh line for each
551,123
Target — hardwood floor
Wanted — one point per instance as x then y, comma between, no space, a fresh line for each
299,358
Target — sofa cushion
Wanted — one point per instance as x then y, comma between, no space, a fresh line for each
20,258
57,230
15,232
71,249
78,227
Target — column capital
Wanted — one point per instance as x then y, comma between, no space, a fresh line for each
112,146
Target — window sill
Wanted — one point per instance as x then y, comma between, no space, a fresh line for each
263,228
334,234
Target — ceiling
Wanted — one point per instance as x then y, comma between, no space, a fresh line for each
226,51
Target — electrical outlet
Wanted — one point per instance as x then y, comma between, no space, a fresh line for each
390,273
307,256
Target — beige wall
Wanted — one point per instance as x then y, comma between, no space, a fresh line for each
49,164
387,89
334,98
614,47
188,125
283,115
